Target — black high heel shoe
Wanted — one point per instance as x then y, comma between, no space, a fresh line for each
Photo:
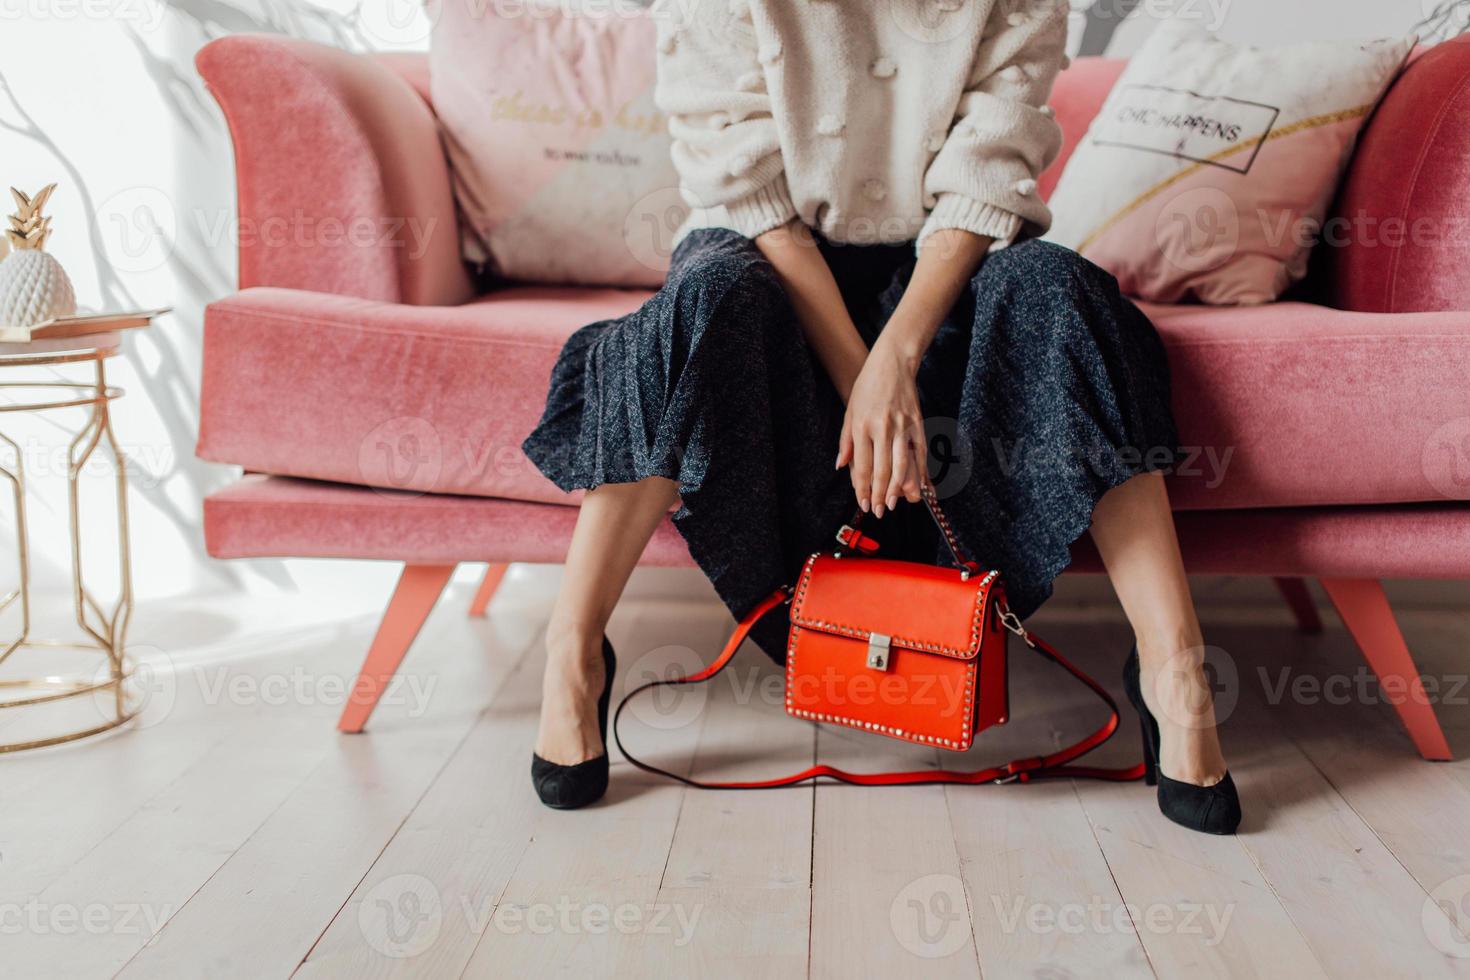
571,787
1207,809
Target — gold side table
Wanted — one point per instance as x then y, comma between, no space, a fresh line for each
102,630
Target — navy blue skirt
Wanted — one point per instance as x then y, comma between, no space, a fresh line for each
1043,389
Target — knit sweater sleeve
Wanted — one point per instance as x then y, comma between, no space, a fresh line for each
726,149
983,179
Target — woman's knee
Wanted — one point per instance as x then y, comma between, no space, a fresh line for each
726,288
1043,271
723,264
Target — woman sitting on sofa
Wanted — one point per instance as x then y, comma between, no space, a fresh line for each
862,258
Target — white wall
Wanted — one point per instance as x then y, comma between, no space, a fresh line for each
1260,22
102,98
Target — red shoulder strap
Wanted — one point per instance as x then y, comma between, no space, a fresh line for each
1050,766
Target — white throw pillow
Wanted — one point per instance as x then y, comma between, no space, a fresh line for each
1210,168
560,159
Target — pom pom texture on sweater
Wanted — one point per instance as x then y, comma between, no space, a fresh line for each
871,123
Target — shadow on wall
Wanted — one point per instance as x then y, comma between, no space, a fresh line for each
184,221
1100,20
1446,19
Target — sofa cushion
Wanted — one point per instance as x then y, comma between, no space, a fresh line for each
281,517
405,397
1306,405
1288,404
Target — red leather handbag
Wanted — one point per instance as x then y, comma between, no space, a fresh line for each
912,651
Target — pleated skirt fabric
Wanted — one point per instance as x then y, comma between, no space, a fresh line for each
1043,389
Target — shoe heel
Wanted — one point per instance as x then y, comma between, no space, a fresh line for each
1150,764
575,786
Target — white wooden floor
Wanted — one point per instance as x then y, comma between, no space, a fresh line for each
236,834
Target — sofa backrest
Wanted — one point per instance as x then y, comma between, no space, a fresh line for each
1397,238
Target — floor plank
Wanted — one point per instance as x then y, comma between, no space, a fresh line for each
424,904
57,805
742,858
151,865
586,889
1198,903
1414,808
1041,893
1333,875
887,889
291,876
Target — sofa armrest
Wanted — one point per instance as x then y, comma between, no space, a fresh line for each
341,179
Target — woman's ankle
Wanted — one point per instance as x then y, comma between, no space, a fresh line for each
573,642
1169,647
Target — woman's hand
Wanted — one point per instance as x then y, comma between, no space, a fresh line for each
883,433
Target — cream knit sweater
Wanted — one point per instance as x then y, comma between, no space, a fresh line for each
870,120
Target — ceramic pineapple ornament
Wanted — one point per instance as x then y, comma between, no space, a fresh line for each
33,285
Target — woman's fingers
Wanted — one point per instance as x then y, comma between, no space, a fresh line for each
844,444
862,471
919,473
886,462
882,469
903,475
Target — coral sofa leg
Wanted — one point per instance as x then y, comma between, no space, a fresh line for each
493,574
1299,598
1366,613
418,589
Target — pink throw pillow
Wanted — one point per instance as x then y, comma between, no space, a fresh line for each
560,159
1209,169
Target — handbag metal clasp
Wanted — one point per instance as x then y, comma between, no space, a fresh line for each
878,644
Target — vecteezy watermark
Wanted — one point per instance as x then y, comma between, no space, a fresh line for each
1209,13
300,686
401,454
1100,917
668,706
401,916
1363,686
141,15
941,21
151,690
651,225
37,918
397,23
930,916
1446,917
147,463
148,693
404,915
140,228
1199,230
410,453
569,917
951,455
1197,687
1445,459
1207,463
543,9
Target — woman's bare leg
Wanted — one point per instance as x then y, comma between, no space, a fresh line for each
614,526
1133,529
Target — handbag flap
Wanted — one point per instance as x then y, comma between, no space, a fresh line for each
920,607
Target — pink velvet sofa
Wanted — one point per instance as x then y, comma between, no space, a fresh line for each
377,403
